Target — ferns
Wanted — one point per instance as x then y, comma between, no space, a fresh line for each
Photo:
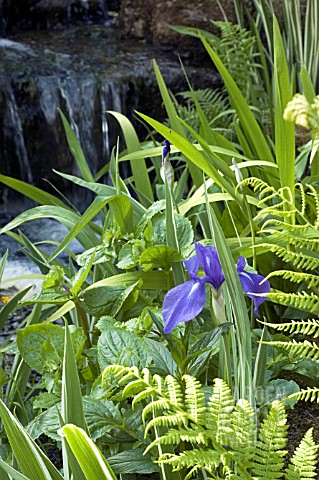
220,437
270,453
302,463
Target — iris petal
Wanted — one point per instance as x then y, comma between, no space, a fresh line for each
183,303
251,283
192,265
208,258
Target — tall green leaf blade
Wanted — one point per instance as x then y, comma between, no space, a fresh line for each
35,193
141,178
284,130
95,207
71,402
248,122
92,462
68,218
195,172
76,150
32,462
191,152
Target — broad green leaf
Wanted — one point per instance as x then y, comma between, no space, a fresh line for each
129,254
14,474
119,347
154,280
53,279
42,346
77,151
101,300
133,461
184,231
102,416
162,358
82,274
32,462
93,464
161,256
122,212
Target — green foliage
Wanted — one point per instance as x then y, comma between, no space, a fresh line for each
222,433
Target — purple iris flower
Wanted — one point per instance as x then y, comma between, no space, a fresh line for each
186,301
166,151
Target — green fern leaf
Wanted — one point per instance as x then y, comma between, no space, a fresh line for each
305,348
303,462
303,327
243,426
270,453
300,260
168,420
301,300
297,277
195,400
220,407
174,391
308,395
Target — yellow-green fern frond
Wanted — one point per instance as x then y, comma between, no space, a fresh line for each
308,240
175,437
304,327
297,277
194,400
168,420
302,300
305,349
281,225
297,259
202,459
310,394
220,407
244,427
270,446
174,391
303,463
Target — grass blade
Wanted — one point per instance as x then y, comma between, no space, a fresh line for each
89,457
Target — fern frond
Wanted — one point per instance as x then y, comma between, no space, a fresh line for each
174,437
303,462
168,420
310,394
298,259
298,229
303,327
206,459
305,348
311,243
301,300
257,185
194,400
220,407
297,277
174,391
270,453
154,407
243,426
315,195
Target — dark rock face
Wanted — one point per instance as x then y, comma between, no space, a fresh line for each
84,71
35,14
